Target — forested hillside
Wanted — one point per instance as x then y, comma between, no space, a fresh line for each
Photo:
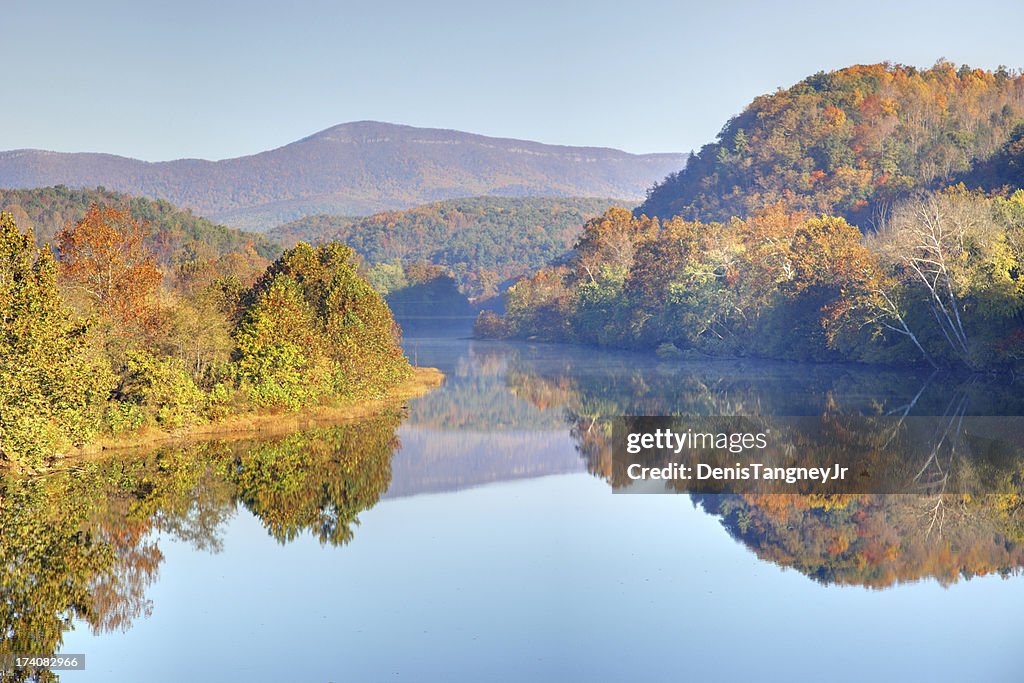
849,143
482,241
173,233
870,214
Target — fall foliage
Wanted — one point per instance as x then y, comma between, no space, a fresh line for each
103,340
53,384
103,256
940,283
174,235
481,241
850,143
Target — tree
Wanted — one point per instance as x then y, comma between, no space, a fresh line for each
609,241
103,256
313,326
539,306
52,386
276,347
958,256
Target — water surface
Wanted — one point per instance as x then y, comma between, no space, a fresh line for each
475,536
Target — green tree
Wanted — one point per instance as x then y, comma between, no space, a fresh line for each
313,327
52,385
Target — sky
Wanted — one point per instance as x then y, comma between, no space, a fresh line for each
221,78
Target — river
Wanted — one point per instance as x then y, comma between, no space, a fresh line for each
475,537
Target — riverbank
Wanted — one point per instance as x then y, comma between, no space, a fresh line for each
249,425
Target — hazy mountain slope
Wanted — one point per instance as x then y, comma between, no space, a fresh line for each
354,169
481,240
848,142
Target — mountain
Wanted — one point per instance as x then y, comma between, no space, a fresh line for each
354,168
480,240
848,142
172,231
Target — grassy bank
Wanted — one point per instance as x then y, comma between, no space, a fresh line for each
248,425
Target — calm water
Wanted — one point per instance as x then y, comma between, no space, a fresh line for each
476,538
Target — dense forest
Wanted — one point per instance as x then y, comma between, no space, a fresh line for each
98,338
481,241
940,285
423,296
937,278
173,234
848,143
1004,170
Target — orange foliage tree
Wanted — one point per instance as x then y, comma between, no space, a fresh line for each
104,256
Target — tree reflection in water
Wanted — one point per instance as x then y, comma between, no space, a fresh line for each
868,540
81,544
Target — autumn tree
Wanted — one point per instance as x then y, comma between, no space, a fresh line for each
104,257
203,305
539,306
958,257
676,289
608,243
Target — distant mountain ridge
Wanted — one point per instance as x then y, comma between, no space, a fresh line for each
354,168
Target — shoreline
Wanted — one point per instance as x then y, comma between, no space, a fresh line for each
250,425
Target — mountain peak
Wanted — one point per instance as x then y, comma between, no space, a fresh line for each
353,168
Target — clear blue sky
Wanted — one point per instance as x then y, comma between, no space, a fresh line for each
215,79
